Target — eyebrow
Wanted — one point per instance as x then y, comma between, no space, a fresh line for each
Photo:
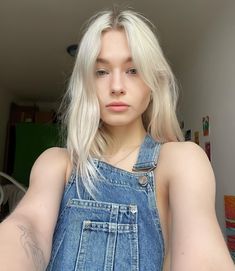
105,61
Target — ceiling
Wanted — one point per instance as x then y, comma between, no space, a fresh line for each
34,64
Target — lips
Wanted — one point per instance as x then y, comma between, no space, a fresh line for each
116,104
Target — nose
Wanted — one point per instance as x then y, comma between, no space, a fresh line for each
117,86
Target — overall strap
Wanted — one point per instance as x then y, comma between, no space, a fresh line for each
148,155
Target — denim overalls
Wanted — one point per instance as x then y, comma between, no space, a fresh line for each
119,230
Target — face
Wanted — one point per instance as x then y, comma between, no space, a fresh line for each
123,96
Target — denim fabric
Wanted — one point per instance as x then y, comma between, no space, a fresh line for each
118,230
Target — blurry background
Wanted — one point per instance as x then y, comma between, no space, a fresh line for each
197,37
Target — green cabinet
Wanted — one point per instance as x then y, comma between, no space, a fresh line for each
31,139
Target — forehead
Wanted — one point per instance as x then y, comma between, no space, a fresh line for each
114,44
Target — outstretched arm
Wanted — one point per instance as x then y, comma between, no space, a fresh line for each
196,239
26,235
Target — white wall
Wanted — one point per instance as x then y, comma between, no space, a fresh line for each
208,83
5,100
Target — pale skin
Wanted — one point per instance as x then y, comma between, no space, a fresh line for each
185,183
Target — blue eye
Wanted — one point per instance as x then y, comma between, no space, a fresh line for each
101,73
132,71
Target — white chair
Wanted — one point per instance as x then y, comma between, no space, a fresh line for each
11,192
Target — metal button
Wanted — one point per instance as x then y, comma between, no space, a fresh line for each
87,224
133,209
143,180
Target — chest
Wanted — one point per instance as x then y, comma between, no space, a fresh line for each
161,192
122,221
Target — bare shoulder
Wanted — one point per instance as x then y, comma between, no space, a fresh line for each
196,241
189,175
181,160
51,161
54,156
185,150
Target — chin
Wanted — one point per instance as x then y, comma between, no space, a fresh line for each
121,119
119,122
116,124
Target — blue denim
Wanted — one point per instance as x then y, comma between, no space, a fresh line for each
119,230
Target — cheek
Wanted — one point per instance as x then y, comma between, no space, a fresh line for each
145,99
101,102
101,91
100,96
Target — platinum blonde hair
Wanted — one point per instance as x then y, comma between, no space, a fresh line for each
86,137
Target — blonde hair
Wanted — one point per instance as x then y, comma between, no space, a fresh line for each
86,137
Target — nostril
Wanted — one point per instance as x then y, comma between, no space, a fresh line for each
115,91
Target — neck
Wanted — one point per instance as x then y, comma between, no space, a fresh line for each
125,138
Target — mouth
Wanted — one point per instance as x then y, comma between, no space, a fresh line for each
117,106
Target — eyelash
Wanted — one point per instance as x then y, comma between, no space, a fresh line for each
101,73
132,69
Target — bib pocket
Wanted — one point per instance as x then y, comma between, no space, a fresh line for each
97,236
107,246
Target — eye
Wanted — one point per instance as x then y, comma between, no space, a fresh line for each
100,73
132,71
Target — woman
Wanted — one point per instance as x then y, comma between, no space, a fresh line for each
135,197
